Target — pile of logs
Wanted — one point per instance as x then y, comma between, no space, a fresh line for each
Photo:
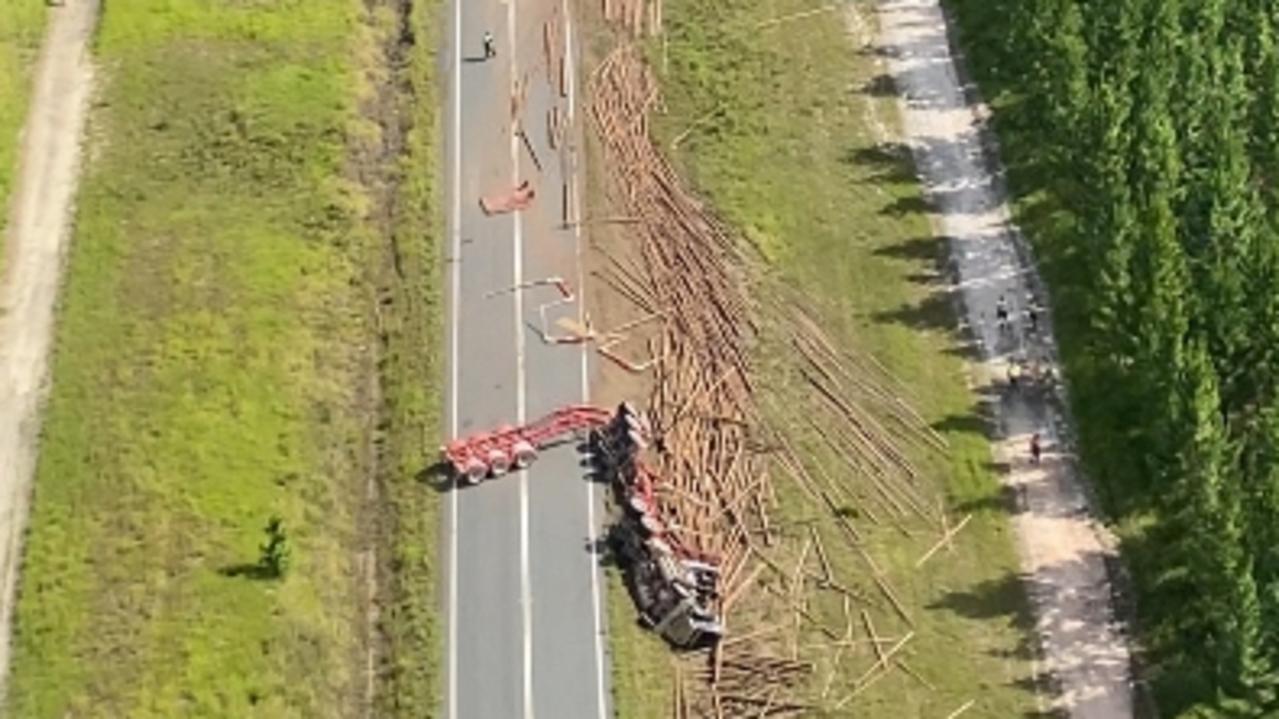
701,406
635,16
719,438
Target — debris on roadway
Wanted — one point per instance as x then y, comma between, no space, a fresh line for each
519,198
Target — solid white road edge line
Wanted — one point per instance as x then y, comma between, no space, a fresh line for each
454,310
591,527
526,584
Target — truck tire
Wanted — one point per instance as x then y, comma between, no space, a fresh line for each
525,454
638,505
499,462
475,471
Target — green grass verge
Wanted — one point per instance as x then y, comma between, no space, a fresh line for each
787,122
642,671
213,367
21,30
412,374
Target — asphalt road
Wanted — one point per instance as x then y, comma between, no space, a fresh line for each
1064,552
524,595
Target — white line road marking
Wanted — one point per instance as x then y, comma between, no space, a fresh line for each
454,310
526,584
592,535
572,82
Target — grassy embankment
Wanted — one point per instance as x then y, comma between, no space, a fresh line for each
217,362
410,317
21,29
795,158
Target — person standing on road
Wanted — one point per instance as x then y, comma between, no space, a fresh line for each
490,48
1036,450
1050,375
1001,313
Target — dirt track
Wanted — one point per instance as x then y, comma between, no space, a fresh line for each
1064,552
36,238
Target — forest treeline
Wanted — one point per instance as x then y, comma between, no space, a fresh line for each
1142,138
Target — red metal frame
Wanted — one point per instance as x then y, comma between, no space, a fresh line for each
506,440
486,450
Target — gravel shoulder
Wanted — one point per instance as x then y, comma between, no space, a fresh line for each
1064,550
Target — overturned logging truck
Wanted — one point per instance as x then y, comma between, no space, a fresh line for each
675,588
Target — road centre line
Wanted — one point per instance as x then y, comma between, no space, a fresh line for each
521,399
591,527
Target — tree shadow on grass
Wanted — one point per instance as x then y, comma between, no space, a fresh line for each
990,599
976,421
910,205
889,162
1006,598
935,312
1061,600
881,85
1003,499
931,248
254,571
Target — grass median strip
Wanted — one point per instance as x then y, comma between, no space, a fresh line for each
216,342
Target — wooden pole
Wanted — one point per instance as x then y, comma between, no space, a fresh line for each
950,533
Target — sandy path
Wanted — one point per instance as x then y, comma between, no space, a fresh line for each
1064,552
35,243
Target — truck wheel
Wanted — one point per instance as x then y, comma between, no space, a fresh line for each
638,505
499,462
475,471
652,527
525,454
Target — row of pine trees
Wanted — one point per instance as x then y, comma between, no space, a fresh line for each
1144,142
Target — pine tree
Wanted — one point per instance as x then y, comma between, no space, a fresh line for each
1058,81
1158,124
275,556
1198,71
1207,509
1160,278
1108,224
1259,468
1232,214
1259,363
1263,75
